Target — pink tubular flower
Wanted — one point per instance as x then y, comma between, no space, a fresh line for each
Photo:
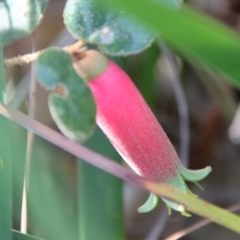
128,122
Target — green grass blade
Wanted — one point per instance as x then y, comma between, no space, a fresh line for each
100,196
18,156
196,205
2,75
19,236
51,198
5,165
195,36
193,204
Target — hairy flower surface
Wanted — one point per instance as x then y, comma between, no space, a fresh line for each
132,128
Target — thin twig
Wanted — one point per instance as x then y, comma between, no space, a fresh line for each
196,226
198,206
28,58
30,138
21,60
74,47
234,128
62,142
159,226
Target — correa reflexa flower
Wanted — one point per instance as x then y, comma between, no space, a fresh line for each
132,128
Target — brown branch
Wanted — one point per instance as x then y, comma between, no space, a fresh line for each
28,58
21,60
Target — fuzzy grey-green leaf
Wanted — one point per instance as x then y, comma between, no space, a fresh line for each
71,103
115,32
19,18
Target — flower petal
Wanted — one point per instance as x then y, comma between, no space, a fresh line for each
194,175
150,204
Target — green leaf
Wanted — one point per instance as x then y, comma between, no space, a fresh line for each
5,165
71,103
18,156
195,36
19,236
52,196
100,196
19,18
112,30
3,97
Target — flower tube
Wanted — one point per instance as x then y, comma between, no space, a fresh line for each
132,128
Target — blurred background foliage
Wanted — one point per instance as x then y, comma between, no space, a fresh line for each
54,180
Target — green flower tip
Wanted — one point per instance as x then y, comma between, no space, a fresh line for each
183,211
179,183
150,204
152,201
